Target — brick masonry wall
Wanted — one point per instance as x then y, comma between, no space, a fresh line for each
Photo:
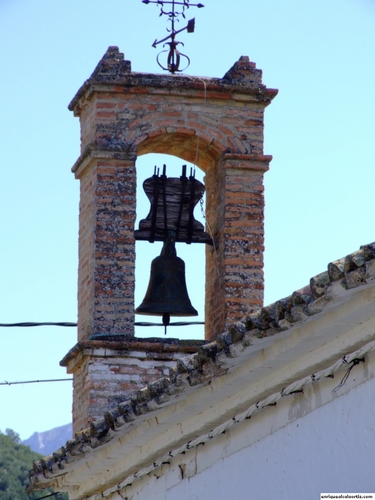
86,248
143,120
216,123
105,373
106,248
234,265
112,380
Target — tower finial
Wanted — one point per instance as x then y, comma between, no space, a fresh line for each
174,55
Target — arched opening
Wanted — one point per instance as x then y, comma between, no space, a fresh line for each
193,255
185,144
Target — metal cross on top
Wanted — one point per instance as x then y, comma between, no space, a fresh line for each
174,55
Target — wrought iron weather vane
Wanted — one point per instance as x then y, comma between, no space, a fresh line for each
174,55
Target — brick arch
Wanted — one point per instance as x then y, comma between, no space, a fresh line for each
125,114
183,143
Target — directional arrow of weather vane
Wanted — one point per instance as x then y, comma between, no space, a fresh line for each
174,55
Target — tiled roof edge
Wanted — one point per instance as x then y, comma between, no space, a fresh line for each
355,270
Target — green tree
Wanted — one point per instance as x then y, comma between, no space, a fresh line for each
15,462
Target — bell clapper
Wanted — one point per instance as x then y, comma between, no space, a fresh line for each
166,318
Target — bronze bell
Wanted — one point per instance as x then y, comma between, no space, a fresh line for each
166,293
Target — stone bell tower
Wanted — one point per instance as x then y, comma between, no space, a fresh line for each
216,123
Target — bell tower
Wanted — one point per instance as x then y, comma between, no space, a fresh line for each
216,123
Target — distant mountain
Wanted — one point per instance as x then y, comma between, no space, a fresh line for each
49,441
15,463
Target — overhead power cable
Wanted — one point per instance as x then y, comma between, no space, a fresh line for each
50,495
28,323
174,323
139,323
36,381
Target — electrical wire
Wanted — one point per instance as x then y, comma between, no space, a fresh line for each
174,323
50,495
28,323
35,381
209,230
139,323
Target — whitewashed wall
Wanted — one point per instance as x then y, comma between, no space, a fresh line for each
318,441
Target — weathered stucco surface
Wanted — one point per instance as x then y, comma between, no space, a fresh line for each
312,443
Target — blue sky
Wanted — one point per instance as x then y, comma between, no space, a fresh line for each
320,130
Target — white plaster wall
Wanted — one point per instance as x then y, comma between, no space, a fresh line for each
331,449
309,447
